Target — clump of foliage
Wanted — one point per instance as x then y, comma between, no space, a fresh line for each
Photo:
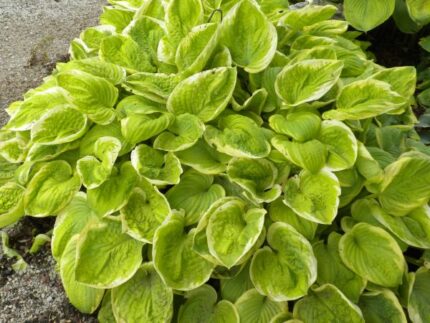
226,161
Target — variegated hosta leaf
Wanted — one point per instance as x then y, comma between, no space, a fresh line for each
367,14
257,177
365,99
301,126
34,107
124,51
157,167
307,80
175,260
419,11
256,308
183,133
381,306
413,228
153,86
406,184
11,203
204,158
401,79
256,46
232,229
94,171
373,254
194,194
113,194
419,304
105,314
201,306
96,67
42,152
232,288
314,197
341,144
307,16
93,95
290,258
85,298
310,155
205,94
181,16
196,48
144,212
13,149
147,33
71,221
51,189
279,212
238,136
106,257
327,304
144,298
331,269
144,124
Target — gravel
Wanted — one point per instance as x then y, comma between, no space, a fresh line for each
34,35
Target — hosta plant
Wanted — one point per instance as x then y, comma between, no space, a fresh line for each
226,161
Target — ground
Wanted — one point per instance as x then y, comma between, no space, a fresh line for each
34,35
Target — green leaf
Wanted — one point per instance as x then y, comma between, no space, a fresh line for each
331,269
341,145
381,306
105,314
307,16
51,189
34,107
289,258
232,229
196,48
279,212
183,133
157,167
106,257
419,11
94,171
301,126
204,158
181,16
195,193
201,306
175,260
93,95
256,46
144,212
143,298
310,155
367,14
96,67
205,94
365,99
257,177
238,136
86,299
125,52
413,228
153,86
373,254
327,304
11,205
314,197
113,194
405,184
119,18
307,80
419,305
71,221
256,308
401,79
233,288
